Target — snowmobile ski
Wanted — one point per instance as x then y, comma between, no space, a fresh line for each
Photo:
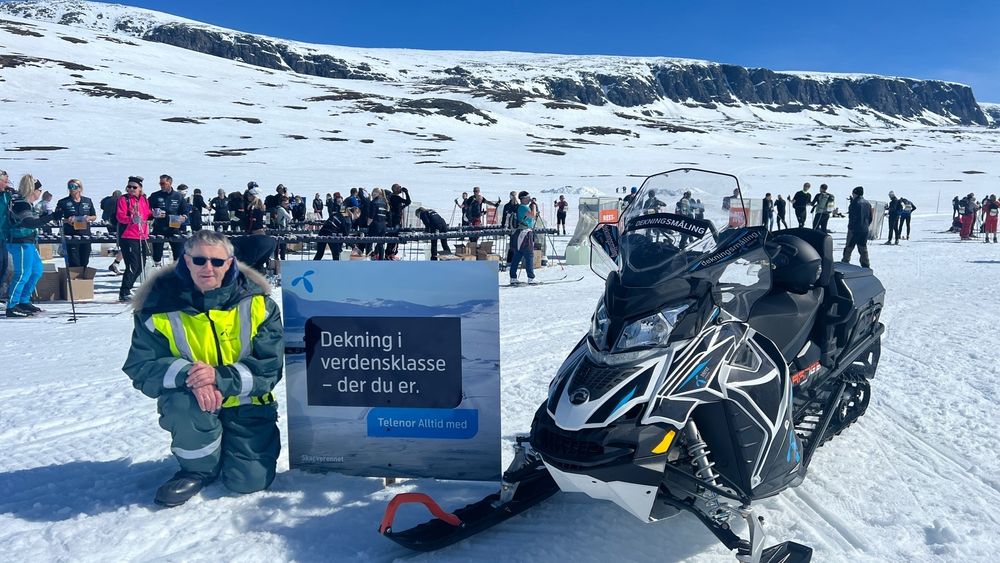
520,490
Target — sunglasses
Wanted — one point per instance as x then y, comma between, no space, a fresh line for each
216,262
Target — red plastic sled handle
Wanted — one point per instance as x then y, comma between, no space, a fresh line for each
419,498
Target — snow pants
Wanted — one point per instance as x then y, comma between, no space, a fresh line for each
968,220
239,444
990,225
27,272
859,239
523,243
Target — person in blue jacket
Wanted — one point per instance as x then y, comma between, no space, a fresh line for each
23,236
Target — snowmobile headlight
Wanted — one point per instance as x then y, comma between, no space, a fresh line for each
599,326
653,330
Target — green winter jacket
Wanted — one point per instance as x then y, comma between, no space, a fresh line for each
236,328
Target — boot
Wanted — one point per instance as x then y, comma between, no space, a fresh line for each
114,268
16,313
180,488
29,308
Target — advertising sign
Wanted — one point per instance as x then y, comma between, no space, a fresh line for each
393,368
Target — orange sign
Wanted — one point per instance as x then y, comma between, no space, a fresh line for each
608,216
491,215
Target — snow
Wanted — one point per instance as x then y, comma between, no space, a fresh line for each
915,479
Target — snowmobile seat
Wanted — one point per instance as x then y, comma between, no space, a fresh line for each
787,318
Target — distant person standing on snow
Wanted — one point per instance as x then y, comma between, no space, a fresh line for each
220,211
859,219
77,213
779,207
133,213
523,240
799,204
969,210
561,206
822,204
22,233
991,210
904,215
895,206
956,208
169,213
767,212
318,205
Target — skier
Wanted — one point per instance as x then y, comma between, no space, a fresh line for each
169,213
767,212
475,209
895,206
779,207
969,210
859,218
133,213
76,212
434,223
821,206
22,233
523,240
215,400
990,212
561,206
904,215
956,208
337,224
799,204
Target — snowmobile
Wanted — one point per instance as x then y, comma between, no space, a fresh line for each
720,357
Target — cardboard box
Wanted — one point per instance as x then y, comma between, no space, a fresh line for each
490,257
49,287
45,251
485,247
82,281
538,259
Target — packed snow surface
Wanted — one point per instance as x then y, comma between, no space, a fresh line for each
915,479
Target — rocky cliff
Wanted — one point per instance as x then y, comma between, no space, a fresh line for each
620,81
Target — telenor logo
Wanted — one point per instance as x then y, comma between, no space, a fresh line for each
304,279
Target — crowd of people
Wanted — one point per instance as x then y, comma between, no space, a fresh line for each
967,211
140,222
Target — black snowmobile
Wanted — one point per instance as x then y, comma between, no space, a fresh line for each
720,357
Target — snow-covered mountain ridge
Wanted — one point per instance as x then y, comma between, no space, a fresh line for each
515,78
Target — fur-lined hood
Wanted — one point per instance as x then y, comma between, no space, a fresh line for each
166,280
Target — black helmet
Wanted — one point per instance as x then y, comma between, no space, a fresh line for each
795,263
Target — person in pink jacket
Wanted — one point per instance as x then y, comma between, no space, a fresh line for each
133,213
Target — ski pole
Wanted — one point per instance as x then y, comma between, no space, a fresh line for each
69,280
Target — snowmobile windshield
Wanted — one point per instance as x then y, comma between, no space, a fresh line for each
689,223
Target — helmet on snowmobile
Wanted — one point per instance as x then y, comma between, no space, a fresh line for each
795,263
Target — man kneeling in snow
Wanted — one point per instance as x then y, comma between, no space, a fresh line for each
208,346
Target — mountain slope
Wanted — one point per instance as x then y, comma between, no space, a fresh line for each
515,78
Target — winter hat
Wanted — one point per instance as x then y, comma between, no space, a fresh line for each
634,189
182,188
858,191
135,180
251,185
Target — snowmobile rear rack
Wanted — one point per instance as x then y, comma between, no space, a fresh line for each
418,498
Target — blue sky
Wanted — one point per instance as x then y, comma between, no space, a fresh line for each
935,40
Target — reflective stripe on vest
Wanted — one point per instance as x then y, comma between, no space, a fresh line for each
194,338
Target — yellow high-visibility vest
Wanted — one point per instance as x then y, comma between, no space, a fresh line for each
217,337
